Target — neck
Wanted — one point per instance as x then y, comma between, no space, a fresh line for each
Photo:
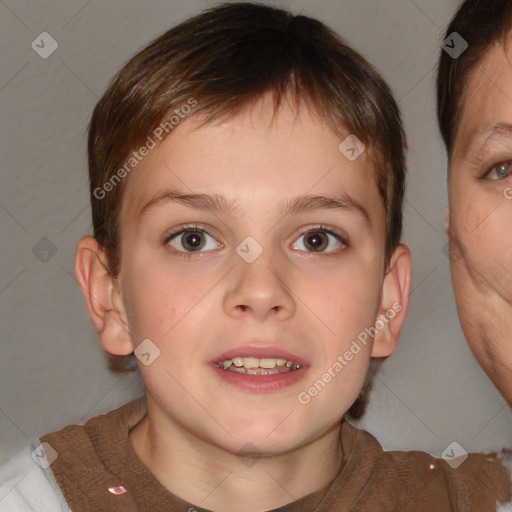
209,476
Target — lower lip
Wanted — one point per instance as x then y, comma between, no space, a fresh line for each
261,383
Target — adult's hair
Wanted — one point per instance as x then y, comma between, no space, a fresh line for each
223,61
481,23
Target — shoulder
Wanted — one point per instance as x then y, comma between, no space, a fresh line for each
506,459
473,481
27,485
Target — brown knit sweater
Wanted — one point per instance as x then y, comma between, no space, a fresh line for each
99,455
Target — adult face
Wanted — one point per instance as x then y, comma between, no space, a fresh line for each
480,200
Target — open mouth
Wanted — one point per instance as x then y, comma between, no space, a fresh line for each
255,366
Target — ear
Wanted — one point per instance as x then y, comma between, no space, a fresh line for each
103,297
394,301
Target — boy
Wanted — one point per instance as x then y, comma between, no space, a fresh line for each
247,175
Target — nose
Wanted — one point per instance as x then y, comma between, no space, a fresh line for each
260,289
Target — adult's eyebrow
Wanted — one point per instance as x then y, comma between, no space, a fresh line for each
220,204
479,140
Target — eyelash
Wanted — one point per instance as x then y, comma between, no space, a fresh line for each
495,166
199,227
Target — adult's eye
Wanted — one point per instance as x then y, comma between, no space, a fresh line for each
500,171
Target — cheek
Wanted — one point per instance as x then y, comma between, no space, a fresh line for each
349,304
153,303
480,224
470,211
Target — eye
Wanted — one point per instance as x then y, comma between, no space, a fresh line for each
318,238
191,240
500,171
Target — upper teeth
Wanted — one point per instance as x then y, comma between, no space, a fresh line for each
253,362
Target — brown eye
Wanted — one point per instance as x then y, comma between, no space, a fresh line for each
192,240
317,240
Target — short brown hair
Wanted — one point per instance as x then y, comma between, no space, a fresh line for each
481,23
225,59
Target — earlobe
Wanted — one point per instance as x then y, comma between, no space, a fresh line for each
102,296
394,301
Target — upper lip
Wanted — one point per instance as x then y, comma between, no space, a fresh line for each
260,351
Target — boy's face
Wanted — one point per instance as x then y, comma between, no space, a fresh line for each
200,295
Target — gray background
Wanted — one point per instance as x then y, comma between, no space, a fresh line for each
52,369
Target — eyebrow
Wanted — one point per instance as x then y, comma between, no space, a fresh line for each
497,131
221,205
502,129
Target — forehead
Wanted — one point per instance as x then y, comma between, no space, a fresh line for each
256,158
487,107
